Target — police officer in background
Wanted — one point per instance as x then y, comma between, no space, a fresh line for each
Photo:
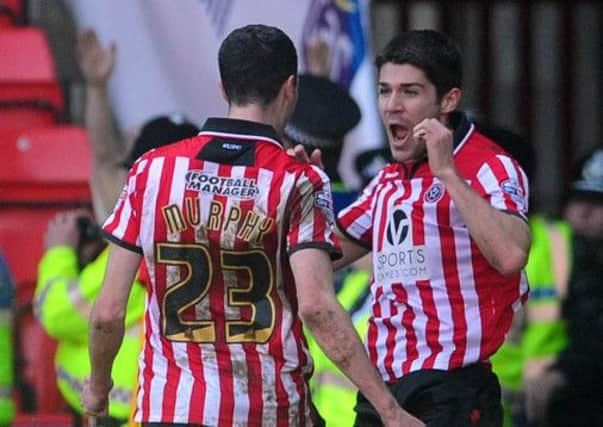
569,391
325,112
538,332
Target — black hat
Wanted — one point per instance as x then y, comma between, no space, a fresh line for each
368,163
324,113
160,131
588,177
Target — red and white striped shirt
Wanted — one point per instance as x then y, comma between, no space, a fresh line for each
437,302
216,217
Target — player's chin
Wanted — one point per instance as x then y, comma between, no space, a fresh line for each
400,157
400,153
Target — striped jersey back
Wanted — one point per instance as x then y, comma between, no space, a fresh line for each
216,217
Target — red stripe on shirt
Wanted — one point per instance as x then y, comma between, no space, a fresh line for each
453,286
147,370
390,341
382,215
199,390
170,390
373,330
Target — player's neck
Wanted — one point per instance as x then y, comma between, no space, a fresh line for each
254,113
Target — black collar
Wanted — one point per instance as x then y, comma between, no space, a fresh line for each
460,125
240,127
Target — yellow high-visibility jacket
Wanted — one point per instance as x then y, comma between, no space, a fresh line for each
63,300
332,393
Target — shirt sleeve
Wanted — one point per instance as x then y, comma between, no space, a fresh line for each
355,221
123,225
312,222
505,185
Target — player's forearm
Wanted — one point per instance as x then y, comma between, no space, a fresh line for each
106,183
106,335
350,251
333,330
106,180
100,125
503,239
108,314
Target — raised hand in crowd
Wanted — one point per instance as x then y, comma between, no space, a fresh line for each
96,62
108,144
63,230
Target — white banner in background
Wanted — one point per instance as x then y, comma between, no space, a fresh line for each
344,26
167,54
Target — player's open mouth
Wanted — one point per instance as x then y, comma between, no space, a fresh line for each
399,132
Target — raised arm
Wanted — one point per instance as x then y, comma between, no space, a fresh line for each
333,330
107,145
503,239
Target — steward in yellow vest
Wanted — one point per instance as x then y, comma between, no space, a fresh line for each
63,300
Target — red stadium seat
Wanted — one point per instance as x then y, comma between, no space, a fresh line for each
21,237
27,76
50,164
25,114
34,353
43,420
43,171
22,232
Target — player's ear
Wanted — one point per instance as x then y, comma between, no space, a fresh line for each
450,101
223,92
290,88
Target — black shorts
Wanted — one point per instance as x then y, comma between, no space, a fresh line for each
468,396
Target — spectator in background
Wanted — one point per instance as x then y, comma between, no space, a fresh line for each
251,229
70,276
114,151
568,393
324,114
73,265
538,332
7,297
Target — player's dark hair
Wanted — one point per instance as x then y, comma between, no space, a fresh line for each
433,52
255,61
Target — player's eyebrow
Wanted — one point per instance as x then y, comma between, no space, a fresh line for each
403,85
